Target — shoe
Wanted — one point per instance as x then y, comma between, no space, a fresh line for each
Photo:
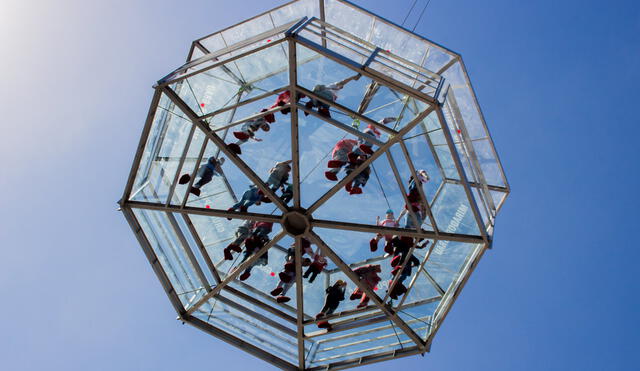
331,175
235,148
308,105
362,305
388,246
243,209
244,276
234,247
319,315
324,324
347,187
276,291
353,157
366,149
396,260
335,164
282,299
270,118
184,179
286,110
195,191
227,255
355,191
354,296
373,244
230,209
323,111
306,262
265,199
388,249
241,135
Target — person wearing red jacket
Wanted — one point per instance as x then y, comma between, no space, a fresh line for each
259,237
249,129
368,275
316,267
285,98
339,157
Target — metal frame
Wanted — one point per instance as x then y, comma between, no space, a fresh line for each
380,310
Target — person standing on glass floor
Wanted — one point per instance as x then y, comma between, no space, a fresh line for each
328,92
250,197
339,157
206,173
388,221
355,186
368,276
242,233
249,129
415,200
278,176
259,237
334,295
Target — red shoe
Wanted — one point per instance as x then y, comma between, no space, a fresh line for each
244,276
227,255
347,187
388,248
324,324
365,149
355,191
362,305
195,191
323,111
355,296
335,164
319,315
276,291
282,299
241,135
230,209
396,260
330,175
184,179
308,105
270,118
353,157
235,148
234,247
373,244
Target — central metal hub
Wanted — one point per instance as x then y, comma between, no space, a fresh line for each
296,222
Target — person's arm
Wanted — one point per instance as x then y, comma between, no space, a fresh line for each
341,84
377,220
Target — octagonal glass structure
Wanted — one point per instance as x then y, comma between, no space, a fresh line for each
223,236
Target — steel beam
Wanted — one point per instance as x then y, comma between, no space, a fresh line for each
457,237
222,335
204,212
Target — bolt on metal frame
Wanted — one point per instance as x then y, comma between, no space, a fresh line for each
199,123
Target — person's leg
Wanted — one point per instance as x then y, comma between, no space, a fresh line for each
204,179
314,274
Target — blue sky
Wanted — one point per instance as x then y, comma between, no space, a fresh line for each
557,81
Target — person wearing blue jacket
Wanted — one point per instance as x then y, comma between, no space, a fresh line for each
206,173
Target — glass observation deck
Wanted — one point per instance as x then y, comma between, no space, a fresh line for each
232,80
